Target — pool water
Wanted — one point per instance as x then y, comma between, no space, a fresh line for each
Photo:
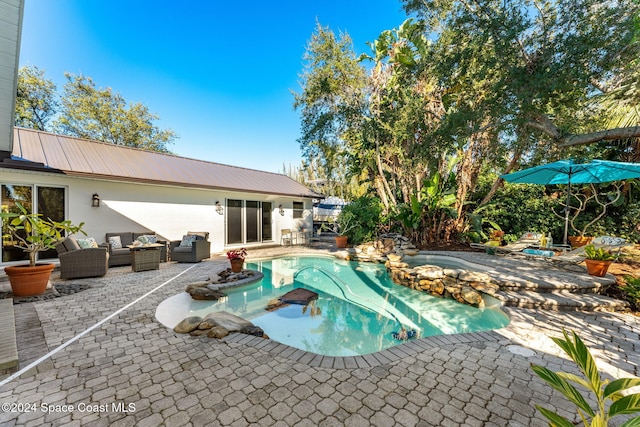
357,311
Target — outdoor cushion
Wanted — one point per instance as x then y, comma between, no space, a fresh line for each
87,243
202,234
147,238
187,241
609,240
182,249
115,242
70,244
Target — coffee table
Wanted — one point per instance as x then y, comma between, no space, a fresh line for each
145,257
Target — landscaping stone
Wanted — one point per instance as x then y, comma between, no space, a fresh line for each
217,332
187,325
209,289
230,322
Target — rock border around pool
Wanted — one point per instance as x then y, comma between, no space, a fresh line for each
465,286
210,288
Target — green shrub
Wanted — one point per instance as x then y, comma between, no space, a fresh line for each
363,214
631,290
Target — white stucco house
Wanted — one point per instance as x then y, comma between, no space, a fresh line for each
113,188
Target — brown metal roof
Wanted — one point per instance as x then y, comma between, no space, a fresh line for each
81,157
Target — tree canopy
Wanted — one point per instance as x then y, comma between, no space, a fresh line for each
86,111
471,87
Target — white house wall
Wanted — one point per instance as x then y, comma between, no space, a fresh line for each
169,211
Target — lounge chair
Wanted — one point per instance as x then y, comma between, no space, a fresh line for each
576,256
527,240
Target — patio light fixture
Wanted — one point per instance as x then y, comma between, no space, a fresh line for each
219,208
281,210
95,200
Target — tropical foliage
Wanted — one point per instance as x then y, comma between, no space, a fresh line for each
468,90
602,390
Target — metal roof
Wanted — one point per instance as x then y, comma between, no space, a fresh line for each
45,151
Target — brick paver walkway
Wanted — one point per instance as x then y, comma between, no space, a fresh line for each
133,371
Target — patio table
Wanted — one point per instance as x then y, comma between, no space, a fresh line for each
145,257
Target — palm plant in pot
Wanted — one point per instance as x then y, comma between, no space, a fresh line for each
347,221
597,260
32,233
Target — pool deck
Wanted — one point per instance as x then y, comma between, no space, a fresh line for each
99,357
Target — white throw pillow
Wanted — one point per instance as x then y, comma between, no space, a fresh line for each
187,241
115,242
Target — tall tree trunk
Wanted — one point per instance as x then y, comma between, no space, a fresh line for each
500,182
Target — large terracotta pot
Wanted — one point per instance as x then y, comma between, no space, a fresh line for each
341,241
577,241
597,268
27,281
236,265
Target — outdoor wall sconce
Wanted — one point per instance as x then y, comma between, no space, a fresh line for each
281,210
219,208
95,200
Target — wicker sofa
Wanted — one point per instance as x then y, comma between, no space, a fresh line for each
196,251
122,256
76,263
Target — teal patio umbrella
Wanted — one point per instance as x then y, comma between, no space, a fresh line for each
567,172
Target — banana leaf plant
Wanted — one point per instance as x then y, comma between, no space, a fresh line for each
603,390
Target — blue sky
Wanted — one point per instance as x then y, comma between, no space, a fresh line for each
220,74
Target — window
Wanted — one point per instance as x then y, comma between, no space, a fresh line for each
298,208
49,202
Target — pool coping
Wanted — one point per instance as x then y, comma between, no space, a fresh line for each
382,357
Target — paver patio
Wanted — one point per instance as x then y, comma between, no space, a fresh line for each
131,370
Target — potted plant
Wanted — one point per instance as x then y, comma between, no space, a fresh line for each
496,236
589,195
346,222
236,258
597,260
32,233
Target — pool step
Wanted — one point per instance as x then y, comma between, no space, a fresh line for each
561,301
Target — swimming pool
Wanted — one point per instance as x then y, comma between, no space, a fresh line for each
357,310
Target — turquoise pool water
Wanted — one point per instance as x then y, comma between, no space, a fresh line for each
357,310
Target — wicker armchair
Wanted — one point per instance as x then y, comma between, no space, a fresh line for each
76,263
200,248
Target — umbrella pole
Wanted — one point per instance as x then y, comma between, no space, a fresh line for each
566,213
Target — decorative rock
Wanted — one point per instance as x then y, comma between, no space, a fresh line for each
474,276
217,332
206,324
429,272
205,294
197,332
487,288
394,257
471,296
451,272
230,322
187,325
410,252
256,331
449,281
195,285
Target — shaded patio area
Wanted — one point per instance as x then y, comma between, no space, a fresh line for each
111,363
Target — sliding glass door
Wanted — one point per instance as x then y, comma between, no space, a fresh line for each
50,202
248,221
